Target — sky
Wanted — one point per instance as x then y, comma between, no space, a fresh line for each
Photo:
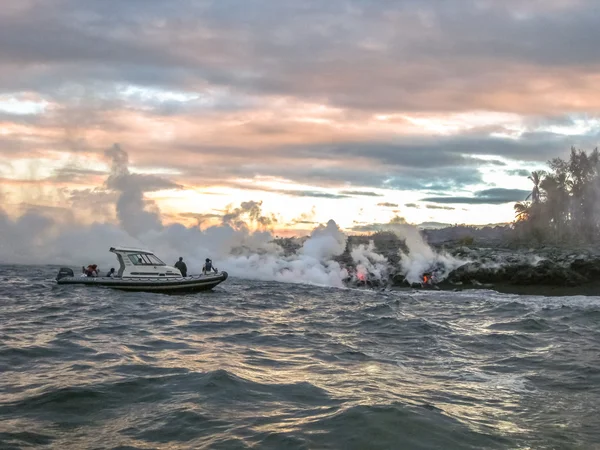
356,110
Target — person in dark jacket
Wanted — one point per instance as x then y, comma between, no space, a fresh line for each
208,267
111,273
181,266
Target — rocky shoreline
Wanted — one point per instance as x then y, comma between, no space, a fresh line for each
451,265
533,271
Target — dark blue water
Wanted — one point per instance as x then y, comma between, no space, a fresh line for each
280,366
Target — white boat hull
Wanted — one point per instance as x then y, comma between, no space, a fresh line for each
152,284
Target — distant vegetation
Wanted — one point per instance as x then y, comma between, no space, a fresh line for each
564,204
563,208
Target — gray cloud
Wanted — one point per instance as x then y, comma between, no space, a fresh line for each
451,153
423,56
407,152
374,176
430,164
434,225
519,172
494,196
451,53
495,162
74,173
314,194
229,164
447,208
388,205
361,193
412,205
290,192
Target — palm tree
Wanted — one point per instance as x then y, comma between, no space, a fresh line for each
522,211
582,171
556,205
536,179
564,203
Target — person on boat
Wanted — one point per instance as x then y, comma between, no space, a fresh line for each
208,267
91,270
111,273
181,266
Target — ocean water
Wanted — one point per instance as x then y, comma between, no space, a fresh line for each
265,365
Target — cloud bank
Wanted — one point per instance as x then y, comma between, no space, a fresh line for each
332,101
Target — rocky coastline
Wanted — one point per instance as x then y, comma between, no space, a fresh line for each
497,264
543,271
547,270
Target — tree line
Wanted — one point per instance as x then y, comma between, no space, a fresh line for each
564,203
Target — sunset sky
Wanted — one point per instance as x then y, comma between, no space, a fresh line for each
347,109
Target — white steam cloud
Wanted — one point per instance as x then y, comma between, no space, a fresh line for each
35,238
419,259
136,214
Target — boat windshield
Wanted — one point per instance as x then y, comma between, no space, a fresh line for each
145,260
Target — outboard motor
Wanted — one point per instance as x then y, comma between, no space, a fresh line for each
64,272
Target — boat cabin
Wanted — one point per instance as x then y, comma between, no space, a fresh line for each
140,263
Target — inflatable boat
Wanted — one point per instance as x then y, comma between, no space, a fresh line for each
142,270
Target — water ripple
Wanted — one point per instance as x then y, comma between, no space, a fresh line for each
267,365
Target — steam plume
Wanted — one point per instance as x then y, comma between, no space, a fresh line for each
233,246
136,214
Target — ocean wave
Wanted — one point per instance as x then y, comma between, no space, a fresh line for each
263,365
